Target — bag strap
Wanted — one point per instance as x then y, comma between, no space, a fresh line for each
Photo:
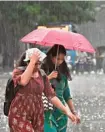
43,74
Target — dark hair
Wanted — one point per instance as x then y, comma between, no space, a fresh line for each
21,62
48,65
56,48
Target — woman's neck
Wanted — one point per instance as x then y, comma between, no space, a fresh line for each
35,74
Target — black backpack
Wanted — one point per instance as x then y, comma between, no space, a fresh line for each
11,91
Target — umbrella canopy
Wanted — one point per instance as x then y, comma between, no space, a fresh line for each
49,37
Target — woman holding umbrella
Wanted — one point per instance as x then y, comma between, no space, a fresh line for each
48,37
59,80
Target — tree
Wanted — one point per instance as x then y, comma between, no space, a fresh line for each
20,17
64,11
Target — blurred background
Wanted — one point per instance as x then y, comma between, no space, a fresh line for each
17,18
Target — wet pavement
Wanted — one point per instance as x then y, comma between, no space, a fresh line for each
88,93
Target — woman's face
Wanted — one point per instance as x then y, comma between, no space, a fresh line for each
37,66
60,59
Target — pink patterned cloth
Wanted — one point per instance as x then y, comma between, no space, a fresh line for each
26,111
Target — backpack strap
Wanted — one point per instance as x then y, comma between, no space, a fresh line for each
43,74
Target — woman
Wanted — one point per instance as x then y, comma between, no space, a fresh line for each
26,110
59,79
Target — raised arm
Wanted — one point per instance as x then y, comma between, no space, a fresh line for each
24,78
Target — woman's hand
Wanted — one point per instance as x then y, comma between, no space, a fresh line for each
53,75
35,57
77,119
71,116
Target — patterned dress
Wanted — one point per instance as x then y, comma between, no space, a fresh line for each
26,111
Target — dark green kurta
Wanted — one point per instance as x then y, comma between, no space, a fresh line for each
63,93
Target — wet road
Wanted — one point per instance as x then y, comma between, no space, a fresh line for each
88,93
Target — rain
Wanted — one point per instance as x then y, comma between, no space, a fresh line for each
87,85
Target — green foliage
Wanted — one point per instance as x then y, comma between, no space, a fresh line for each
43,12
65,11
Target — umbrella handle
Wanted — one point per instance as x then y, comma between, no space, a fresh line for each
57,57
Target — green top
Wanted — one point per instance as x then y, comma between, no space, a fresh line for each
57,120
62,90
63,93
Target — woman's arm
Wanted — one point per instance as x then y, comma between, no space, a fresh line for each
50,94
67,93
68,99
26,75
71,106
72,109
57,103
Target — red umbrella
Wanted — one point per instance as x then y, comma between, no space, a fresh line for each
49,37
